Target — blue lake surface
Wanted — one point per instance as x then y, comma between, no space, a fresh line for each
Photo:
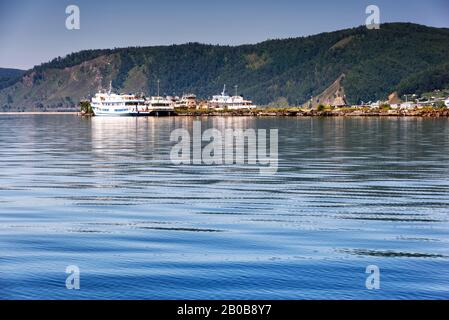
102,194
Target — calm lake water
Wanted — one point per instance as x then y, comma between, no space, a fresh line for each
103,195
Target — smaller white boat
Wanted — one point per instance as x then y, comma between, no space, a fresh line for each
223,101
156,105
159,106
187,101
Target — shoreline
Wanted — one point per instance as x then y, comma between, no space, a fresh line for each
40,112
425,113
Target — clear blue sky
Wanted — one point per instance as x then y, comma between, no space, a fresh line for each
33,31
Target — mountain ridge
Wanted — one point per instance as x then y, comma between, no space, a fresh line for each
9,75
398,57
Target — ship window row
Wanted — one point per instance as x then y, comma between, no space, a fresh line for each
159,105
130,103
111,103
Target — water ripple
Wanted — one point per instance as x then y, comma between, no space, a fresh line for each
102,194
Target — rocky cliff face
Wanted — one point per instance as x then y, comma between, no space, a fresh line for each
334,95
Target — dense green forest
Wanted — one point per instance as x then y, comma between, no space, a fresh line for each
9,77
432,78
398,57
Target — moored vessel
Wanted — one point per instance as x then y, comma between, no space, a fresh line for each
159,106
224,101
112,104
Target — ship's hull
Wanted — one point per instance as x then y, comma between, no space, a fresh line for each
241,107
112,113
155,113
133,113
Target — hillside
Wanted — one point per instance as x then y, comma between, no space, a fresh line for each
9,76
399,57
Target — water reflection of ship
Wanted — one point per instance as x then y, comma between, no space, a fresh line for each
116,137
127,155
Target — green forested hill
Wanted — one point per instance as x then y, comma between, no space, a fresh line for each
9,76
399,56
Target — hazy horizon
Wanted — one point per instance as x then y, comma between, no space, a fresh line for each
33,33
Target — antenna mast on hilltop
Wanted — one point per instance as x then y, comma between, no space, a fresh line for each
224,90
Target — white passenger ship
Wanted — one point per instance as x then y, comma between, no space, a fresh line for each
111,104
446,102
223,101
